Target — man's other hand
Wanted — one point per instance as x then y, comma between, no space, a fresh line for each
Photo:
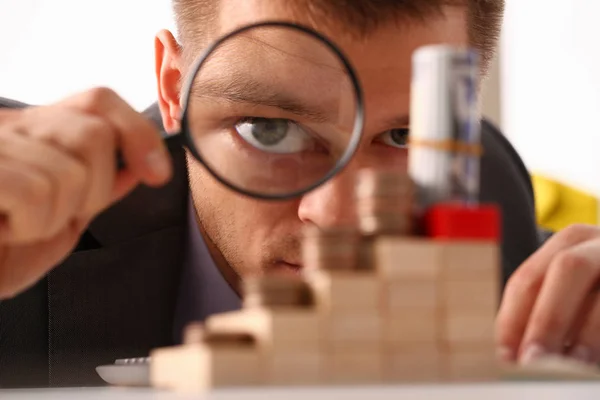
551,304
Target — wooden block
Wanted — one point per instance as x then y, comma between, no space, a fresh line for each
279,329
463,261
359,291
353,366
366,258
471,364
295,329
407,258
294,368
198,367
278,291
412,327
353,329
416,364
468,328
410,295
193,333
478,296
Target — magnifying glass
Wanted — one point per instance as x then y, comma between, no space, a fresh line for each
272,110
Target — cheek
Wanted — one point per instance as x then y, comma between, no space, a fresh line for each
233,217
377,155
390,157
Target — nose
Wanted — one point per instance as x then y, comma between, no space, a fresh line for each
332,204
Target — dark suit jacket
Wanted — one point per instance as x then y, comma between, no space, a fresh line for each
114,296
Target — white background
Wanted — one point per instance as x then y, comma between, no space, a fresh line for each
549,62
52,48
551,87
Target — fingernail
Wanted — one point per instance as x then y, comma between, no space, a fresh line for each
505,354
582,353
532,353
159,163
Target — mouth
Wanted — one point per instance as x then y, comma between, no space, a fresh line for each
283,267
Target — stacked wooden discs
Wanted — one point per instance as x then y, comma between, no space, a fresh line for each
385,200
226,339
274,291
330,248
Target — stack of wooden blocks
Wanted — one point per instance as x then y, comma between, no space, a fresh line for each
423,313
441,296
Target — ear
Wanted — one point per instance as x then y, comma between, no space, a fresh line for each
168,63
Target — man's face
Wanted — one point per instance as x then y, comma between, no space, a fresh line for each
253,236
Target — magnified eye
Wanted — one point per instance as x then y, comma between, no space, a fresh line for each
274,135
396,137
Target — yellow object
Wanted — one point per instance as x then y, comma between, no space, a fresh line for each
559,205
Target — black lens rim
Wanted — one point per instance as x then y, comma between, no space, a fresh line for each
358,123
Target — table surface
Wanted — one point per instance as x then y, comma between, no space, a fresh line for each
500,391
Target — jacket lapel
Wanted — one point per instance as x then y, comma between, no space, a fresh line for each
118,300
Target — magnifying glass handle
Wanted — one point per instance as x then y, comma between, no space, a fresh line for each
171,141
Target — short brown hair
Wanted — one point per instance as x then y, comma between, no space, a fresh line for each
193,17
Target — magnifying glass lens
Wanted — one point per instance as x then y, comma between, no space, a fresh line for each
272,111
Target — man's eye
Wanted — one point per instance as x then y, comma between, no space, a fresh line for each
396,137
274,135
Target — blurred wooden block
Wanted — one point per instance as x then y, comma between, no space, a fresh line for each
411,327
413,364
407,258
474,296
410,295
193,333
294,368
468,328
354,366
199,367
348,329
279,329
343,291
471,364
366,255
464,261
278,291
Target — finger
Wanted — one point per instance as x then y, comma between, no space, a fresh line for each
523,287
93,142
586,344
8,114
571,276
38,258
23,202
66,175
144,151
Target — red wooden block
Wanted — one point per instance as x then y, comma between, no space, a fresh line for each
462,222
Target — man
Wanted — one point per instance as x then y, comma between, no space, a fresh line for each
95,267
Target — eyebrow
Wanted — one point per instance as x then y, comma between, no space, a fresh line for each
239,88
399,121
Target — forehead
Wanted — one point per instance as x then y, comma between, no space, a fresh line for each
382,58
389,38
383,54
